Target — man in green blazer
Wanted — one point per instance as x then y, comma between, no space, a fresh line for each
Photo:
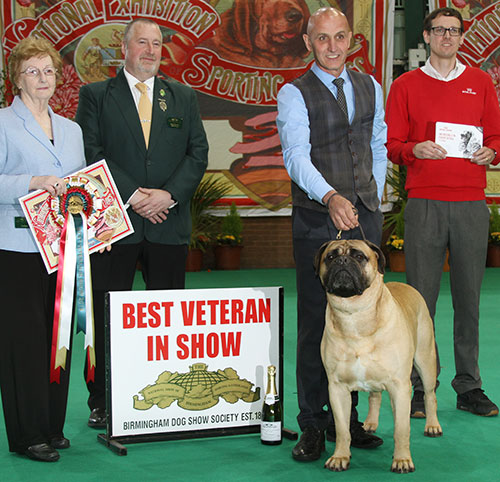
156,169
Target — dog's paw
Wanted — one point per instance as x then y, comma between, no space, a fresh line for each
337,464
370,427
433,430
403,466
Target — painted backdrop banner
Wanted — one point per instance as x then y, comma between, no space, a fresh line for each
481,48
235,53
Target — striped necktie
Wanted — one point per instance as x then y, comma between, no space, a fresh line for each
145,111
339,83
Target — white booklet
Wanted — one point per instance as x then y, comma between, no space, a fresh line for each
459,140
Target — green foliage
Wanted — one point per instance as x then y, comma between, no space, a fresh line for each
231,228
494,229
396,179
204,225
494,218
394,220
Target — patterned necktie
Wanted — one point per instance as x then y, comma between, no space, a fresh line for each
145,110
339,83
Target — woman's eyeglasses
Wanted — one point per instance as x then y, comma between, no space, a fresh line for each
34,72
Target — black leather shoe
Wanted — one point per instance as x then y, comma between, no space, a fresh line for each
476,401
97,418
60,443
360,438
42,452
310,445
417,405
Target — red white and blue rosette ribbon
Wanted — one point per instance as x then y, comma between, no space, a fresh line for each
73,271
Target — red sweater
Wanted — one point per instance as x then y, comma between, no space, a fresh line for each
416,102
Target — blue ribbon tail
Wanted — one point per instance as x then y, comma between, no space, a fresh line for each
81,314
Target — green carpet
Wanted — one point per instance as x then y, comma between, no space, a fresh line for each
468,451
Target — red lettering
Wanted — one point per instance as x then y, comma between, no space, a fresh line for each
128,315
224,311
183,353
187,313
212,345
162,347
200,313
230,345
155,321
213,311
168,306
237,311
265,310
251,313
150,348
141,313
161,351
197,347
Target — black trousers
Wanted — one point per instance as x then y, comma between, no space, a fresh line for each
310,230
163,267
34,409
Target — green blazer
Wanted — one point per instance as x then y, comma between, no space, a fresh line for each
174,161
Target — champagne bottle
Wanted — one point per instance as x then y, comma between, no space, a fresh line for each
272,421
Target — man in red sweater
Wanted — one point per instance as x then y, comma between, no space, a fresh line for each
446,206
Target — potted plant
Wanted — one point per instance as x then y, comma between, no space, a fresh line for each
204,224
395,242
228,248
493,256
394,220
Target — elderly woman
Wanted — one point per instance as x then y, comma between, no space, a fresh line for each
37,149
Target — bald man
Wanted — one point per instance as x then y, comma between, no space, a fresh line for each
332,131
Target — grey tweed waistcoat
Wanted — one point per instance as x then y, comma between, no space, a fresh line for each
341,152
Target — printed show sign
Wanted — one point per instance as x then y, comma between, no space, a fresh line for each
184,361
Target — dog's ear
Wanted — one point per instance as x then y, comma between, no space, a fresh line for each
317,258
380,256
244,23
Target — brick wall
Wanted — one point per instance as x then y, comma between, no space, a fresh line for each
267,243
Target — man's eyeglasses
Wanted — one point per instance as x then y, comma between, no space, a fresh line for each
34,72
441,31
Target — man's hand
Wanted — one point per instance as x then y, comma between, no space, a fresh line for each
151,204
483,156
429,150
342,212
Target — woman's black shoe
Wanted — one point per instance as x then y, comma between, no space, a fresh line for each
59,443
42,452
97,418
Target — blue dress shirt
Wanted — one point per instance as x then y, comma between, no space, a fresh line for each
293,128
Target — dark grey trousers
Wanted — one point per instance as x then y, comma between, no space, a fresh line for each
430,228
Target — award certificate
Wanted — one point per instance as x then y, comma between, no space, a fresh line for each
91,191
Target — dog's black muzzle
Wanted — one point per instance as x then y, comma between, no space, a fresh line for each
344,277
